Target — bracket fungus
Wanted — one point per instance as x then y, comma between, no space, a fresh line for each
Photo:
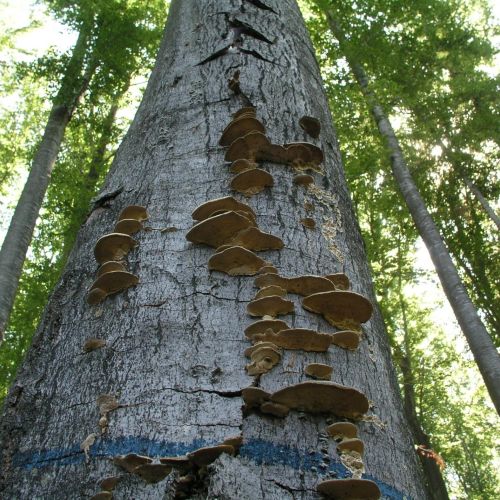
264,356
249,147
273,306
109,483
303,180
240,126
225,204
242,165
247,110
252,181
112,265
255,239
268,270
296,339
128,226
351,444
340,308
360,489
110,283
92,344
102,495
271,290
254,397
236,261
300,285
134,212
340,280
323,397
276,409
261,327
342,430
346,339
308,222
152,473
131,461
319,371
205,456
217,230
311,126
113,246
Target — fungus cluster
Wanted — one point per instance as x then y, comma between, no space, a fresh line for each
110,252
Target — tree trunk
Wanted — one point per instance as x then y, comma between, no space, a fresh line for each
174,344
478,339
22,225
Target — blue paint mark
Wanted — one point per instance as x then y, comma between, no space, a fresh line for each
257,450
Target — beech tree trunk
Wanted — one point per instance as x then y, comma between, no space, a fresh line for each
18,237
478,338
174,343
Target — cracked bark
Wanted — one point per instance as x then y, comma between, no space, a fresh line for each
184,355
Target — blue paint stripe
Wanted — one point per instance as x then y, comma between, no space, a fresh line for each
259,451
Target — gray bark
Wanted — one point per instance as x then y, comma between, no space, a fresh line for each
22,225
478,339
483,201
174,354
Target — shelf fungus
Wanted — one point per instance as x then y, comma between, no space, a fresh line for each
351,444
102,495
308,222
226,204
219,229
340,308
312,397
263,356
340,280
205,456
252,181
92,344
242,165
110,283
311,126
342,430
296,339
268,270
271,290
113,246
347,339
300,285
262,326
128,226
319,371
303,180
240,126
359,489
109,483
236,261
255,239
135,212
251,146
143,467
273,306
245,111
110,266
106,403
131,461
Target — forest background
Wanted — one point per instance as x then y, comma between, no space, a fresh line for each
433,65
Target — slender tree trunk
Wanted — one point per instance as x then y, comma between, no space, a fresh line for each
174,354
480,343
483,201
22,225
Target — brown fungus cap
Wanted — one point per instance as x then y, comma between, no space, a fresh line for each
260,327
310,125
110,266
131,461
247,110
242,165
319,371
205,456
182,463
218,230
300,285
254,396
346,339
92,344
223,204
236,261
340,280
134,212
264,356
296,339
303,180
248,147
109,483
255,239
275,409
102,495
234,441
323,397
270,306
342,430
239,127
308,222
359,489
271,290
152,473
128,226
252,181
315,153
268,270
351,444
338,306
113,246
110,283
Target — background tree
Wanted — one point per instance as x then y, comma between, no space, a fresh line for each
174,344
